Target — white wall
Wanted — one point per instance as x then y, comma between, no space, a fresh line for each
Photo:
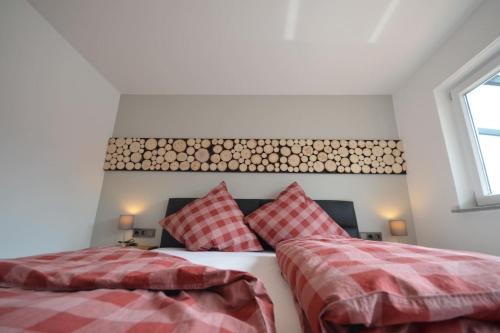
430,178
56,113
377,197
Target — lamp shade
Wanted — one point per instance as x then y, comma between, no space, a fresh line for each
126,222
398,228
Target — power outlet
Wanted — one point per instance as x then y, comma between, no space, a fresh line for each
144,233
374,236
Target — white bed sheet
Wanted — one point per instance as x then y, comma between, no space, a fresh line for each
264,266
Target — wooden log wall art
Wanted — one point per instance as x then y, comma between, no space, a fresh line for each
256,155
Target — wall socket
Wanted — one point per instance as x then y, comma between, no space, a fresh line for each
375,236
144,233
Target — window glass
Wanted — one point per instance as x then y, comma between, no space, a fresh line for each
484,108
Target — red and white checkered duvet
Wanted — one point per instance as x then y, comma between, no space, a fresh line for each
345,284
128,290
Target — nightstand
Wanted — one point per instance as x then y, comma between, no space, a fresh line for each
146,247
375,236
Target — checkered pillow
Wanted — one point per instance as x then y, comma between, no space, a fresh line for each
212,222
292,215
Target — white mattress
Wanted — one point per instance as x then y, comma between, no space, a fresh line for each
264,266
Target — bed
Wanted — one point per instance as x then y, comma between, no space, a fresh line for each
263,265
340,284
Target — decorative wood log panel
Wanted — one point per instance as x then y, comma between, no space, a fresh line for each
377,156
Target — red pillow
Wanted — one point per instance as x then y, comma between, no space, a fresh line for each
293,214
212,222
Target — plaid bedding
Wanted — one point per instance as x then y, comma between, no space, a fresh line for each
128,290
345,284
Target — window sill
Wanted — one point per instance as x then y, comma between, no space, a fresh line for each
475,208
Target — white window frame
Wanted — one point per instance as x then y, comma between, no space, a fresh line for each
467,131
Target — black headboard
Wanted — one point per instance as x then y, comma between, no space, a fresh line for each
341,211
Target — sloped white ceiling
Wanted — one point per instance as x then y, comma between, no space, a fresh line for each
257,46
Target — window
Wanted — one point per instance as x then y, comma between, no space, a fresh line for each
477,99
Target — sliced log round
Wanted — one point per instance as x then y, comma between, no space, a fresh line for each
205,143
318,145
251,143
170,156
377,151
146,164
294,160
215,158
330,166
226,155
273,158
194,166
268,149
388,159
318,166
174,166
111,148
120,142
397,168
233,165
162,142
202,155
322,157
345,162
400,145
181,157
184,166
217,149
151,144
246,153
285,151
205,166
228,144
179,146
129,166
307,150
135,157
355,168
256,159
343,151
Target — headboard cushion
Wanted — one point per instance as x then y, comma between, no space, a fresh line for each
341,211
